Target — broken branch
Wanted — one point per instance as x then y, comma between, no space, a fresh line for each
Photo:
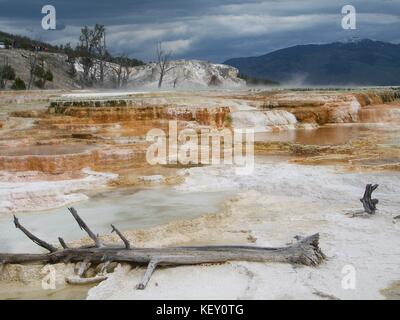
62,242
35,239
84,226
83,281
126,242
149,271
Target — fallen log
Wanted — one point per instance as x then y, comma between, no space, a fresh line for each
305,251
368,203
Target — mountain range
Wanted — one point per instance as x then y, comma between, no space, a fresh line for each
357,62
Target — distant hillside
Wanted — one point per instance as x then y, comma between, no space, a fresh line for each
19,60
66,64
62,61
185,73
362,62
22,42
26,43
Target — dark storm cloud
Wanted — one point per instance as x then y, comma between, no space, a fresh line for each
204,29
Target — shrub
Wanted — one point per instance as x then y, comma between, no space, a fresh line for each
42,74
6,73
40,83
19,84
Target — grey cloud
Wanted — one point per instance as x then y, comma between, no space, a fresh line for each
205,29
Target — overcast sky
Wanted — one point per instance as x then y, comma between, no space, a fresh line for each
203,29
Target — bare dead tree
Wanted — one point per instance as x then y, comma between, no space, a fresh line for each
125,73
121,70
163,62
101,49
91,48
33,60
305,251
71,59
117,71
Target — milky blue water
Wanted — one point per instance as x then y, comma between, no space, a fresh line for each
127,209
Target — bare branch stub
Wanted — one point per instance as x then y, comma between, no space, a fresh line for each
84,226
369,204
62,242
126,242
31,236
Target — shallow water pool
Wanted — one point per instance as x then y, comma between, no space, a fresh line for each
326,135
127,209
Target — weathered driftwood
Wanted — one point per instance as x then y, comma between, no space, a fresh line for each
368,203
305,251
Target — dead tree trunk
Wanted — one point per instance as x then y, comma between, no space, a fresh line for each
306,251
163,62
368,203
